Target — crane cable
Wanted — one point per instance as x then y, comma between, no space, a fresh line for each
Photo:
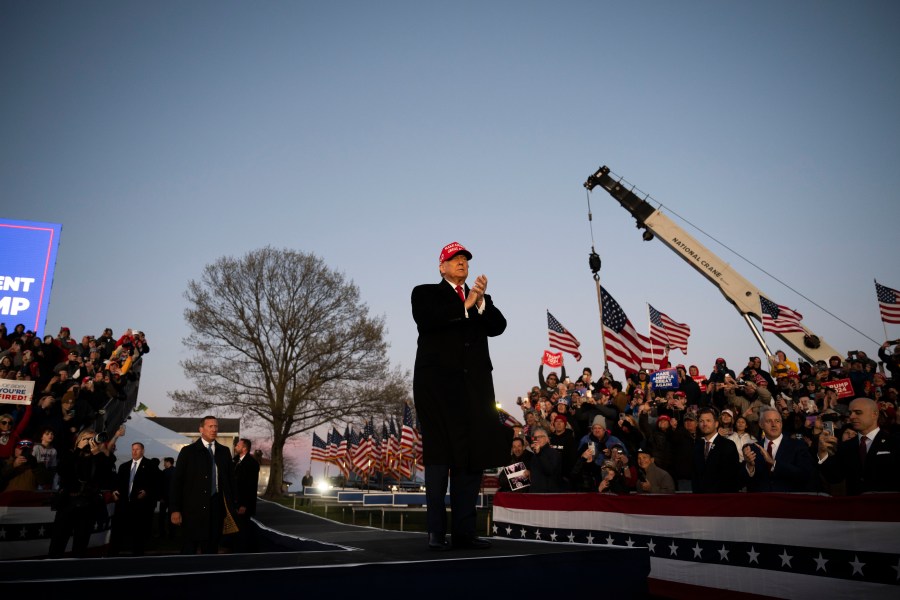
590,219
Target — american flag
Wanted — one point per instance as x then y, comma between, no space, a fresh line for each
419,458
393,462
379,449
319,449
353,451
664,330
366,447
561,339
343,443
889,303
408,437
407,432
507,419
779,319
334,438
624,345
342,460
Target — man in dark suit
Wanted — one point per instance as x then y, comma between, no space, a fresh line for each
246,485
202,484
453,391
779,463
137,489
716,464
873,467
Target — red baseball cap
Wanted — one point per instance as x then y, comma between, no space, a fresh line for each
452,249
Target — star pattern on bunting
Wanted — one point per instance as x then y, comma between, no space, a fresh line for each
850,565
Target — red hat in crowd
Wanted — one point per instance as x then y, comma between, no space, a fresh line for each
679,394
664,418
561,417
452,249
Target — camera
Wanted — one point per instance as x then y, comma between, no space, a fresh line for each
893,342
101,437
26,451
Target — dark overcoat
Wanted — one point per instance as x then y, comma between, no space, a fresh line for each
453,385
191,487
246,481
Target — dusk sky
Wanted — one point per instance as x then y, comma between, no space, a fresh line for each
164,135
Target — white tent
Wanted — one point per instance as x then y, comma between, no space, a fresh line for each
158,441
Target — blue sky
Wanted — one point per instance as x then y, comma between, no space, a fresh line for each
165,135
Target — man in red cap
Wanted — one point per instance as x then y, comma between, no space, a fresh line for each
453,391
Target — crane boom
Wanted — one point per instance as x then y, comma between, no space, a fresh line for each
742,294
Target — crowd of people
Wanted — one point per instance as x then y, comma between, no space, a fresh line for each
64,443
773,426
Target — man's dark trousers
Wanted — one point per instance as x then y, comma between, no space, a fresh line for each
463,496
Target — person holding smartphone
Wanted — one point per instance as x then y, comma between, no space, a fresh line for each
778,463
867,462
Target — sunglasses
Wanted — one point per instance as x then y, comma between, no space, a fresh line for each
5,422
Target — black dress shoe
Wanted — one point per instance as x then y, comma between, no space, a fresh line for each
470,543
437,542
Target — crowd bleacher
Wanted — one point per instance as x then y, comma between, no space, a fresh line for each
626,437
64,441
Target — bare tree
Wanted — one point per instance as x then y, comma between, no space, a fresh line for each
280,338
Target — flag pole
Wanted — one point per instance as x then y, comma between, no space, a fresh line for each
594,264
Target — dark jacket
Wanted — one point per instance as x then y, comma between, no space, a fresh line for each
880,473
546,471
453,386
718,472
567,446
147,478
792,472
191,486
246,483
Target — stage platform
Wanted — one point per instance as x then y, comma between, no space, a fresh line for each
319,555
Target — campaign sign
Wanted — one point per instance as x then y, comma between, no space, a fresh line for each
26,272
843,387
667,379
554,361
16,392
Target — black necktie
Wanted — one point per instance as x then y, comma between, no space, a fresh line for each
212,458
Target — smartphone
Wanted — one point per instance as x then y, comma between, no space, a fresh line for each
828,427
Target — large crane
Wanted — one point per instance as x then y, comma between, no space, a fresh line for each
742,294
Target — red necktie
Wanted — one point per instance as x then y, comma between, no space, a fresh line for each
862,449
769,449
459,292
706,449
